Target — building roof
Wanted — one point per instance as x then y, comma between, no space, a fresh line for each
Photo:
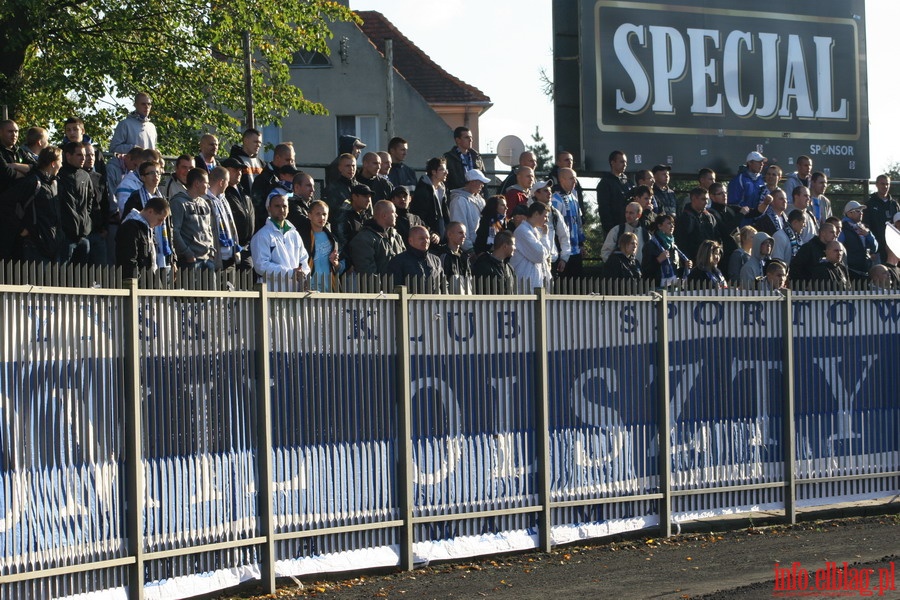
435,84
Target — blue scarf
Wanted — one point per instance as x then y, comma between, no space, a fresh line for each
161,233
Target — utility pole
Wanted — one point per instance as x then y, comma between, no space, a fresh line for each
248,82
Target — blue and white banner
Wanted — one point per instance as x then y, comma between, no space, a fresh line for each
475,397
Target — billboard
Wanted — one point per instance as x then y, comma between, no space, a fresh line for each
700,84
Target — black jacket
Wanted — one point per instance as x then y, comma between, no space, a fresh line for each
429,208
263,183
335,193
496,275
456,170
134,248
381,186
620,266
422,271
877,213
406,221
41,217
244,214
693,228
612,196
835,276
346,224
76,202
806,259
728,219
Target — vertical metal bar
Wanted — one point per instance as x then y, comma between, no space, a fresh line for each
787,412
542,419
134,465
663,414
264,442
404,430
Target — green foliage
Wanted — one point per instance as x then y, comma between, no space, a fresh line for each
90,57
541,152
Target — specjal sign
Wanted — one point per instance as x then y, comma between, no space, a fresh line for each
700,84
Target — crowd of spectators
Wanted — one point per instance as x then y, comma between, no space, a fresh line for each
763,230
760,231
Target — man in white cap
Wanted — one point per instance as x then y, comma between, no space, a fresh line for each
858,240
466,204
747,187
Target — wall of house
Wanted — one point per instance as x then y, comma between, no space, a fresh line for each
357,85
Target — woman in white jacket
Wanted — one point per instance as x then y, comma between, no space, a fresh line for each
531,261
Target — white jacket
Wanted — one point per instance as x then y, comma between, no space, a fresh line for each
531,261
466,208
557,231
276,254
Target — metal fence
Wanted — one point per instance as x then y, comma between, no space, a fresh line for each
167,443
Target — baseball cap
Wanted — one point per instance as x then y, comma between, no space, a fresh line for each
476,175
362,189
231,163
756,156
853,205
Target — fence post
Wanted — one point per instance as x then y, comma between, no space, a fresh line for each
134,464
664,460
404,429
542,420
787,412
264,441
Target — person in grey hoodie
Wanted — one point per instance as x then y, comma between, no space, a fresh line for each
135,129
760,254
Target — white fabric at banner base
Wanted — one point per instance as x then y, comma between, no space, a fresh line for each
351,560
565,534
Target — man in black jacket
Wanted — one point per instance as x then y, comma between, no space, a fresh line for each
491,270
613,192
880,209
135,244
810,253
417,267
241,208
696,224
831,269
77,204
36,222
461,158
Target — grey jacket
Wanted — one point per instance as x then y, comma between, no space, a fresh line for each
192,221
132,131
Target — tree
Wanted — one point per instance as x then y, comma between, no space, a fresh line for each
89,58
541,152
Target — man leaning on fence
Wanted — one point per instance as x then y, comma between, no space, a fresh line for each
135,239
279,256
418,268
491,270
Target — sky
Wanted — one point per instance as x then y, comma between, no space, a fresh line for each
503,49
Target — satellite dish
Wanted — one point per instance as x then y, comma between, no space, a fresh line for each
508,150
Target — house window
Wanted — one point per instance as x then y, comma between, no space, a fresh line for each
365,127
310,59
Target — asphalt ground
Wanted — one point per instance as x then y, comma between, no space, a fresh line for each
711,560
